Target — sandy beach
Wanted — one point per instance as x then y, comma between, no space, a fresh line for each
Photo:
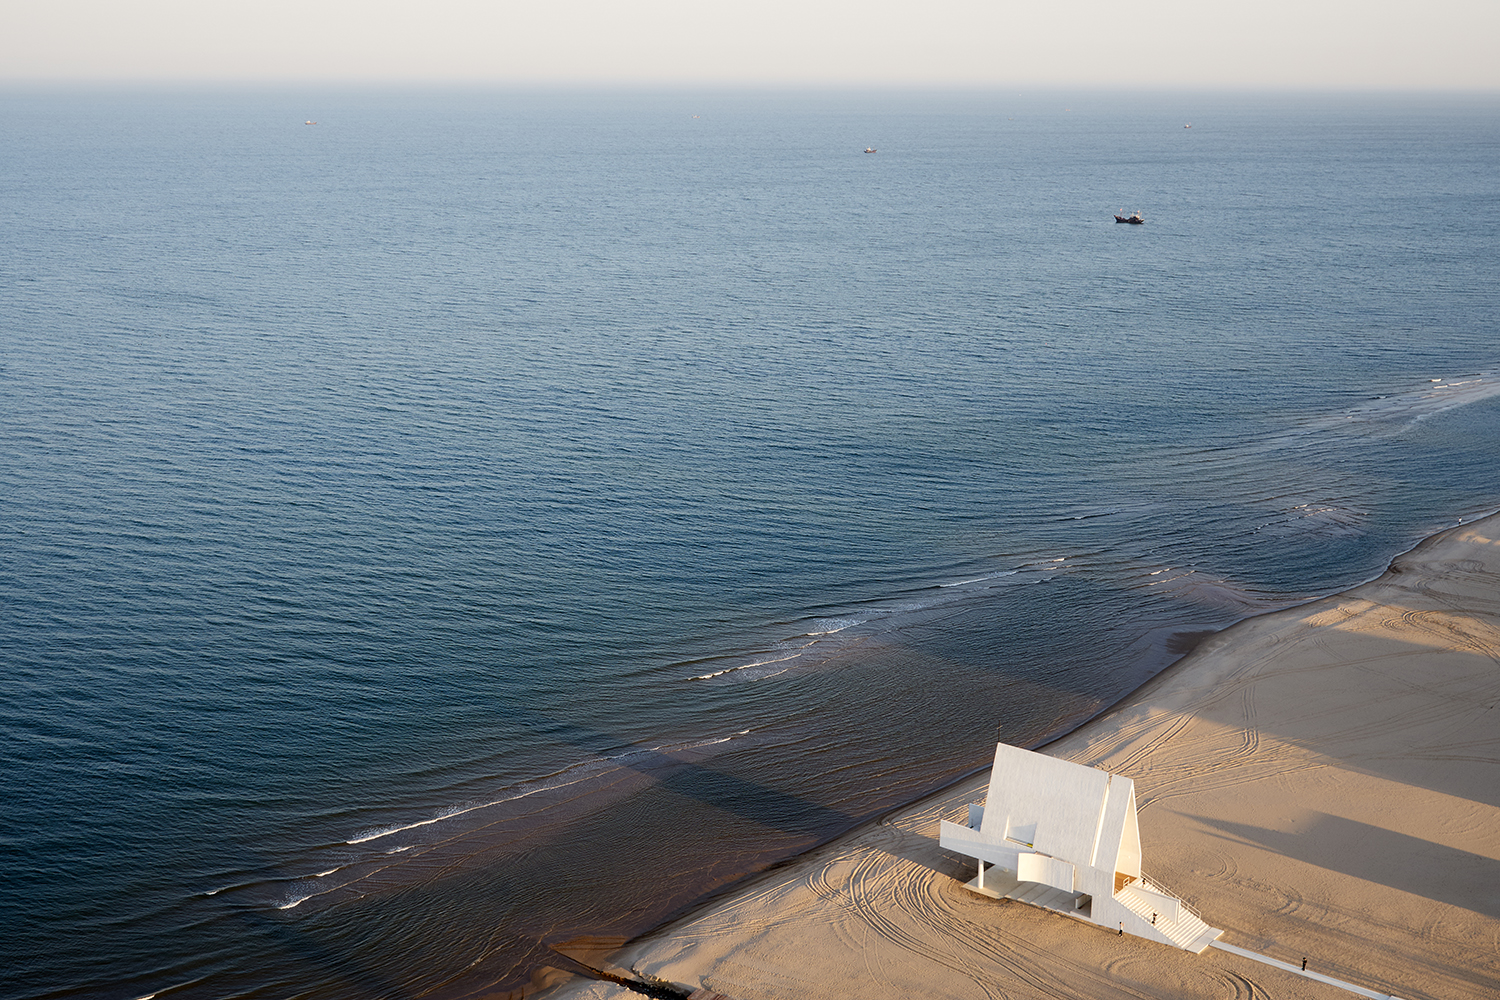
1321,783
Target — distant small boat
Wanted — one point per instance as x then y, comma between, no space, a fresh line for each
1135,219
309,123
1188,125
869,149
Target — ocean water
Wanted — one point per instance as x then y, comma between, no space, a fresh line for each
482,520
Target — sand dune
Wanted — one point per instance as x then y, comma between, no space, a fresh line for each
1322,782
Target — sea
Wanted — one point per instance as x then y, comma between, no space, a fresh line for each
444,526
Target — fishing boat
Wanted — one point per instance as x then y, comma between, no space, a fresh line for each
1135,219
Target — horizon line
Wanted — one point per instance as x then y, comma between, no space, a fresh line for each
733,86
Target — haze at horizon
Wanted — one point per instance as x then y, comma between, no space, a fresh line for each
1325,44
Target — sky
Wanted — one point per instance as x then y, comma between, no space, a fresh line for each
1237,44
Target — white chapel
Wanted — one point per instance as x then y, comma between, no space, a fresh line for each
1064,836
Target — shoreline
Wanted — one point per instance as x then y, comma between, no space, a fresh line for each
1300,831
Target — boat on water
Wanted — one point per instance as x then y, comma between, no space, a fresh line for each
1135,219
869,149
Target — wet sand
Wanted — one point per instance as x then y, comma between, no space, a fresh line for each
1321,783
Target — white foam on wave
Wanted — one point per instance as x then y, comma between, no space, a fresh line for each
1033,565
712,741
451,813
1171,579
169,989
1329,517
981,579
774,673
1325,510
832,625
376,834
294,903
745,666
1091,515
257,881
230,887
574,774
1399,409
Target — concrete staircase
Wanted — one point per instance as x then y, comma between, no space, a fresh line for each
1188,931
